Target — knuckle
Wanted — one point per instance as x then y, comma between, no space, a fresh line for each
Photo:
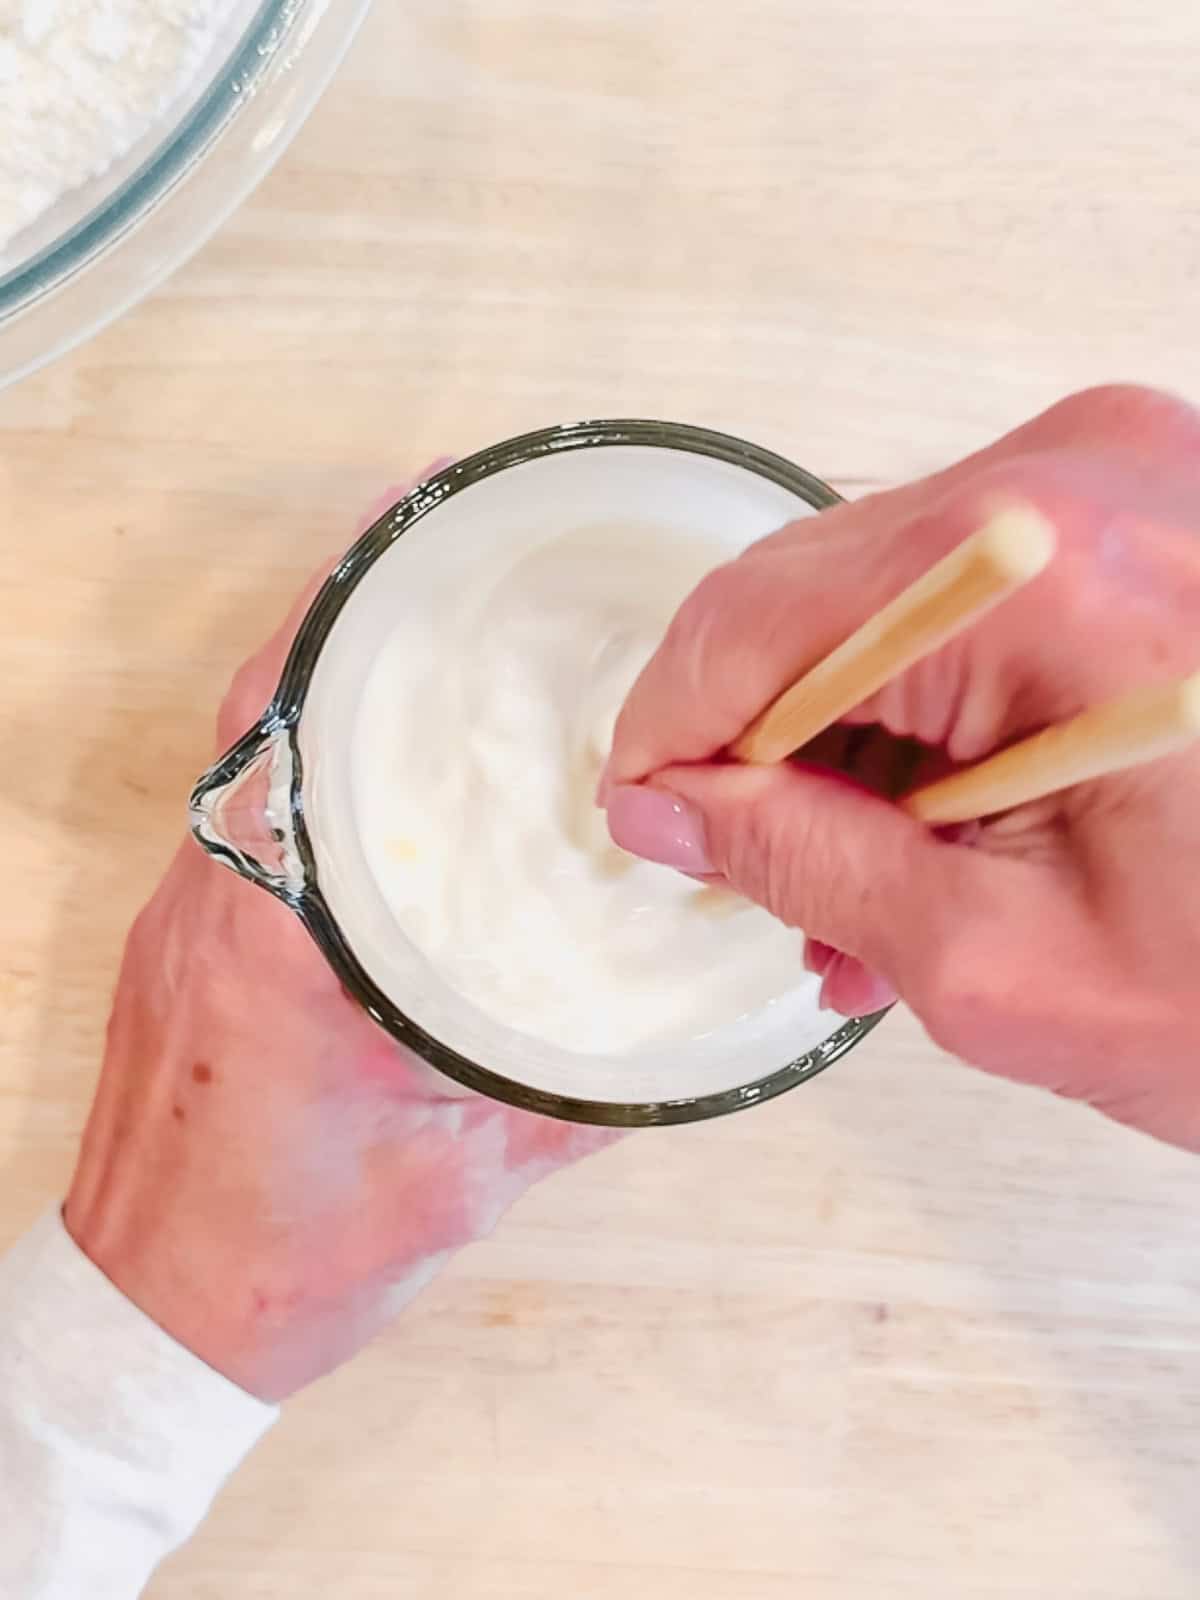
781,856
718,660
678,666
696,620
767,856
800,530
941,993
748,639
962,988
1128,415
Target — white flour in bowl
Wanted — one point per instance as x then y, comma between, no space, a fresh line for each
81,81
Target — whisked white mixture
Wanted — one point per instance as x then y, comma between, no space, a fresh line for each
478,745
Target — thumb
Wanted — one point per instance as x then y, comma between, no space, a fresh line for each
819,852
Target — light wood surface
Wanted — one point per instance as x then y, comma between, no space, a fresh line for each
989,565
907,1332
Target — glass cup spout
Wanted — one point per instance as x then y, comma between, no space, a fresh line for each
242,811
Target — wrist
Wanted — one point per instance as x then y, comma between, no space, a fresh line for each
270,1305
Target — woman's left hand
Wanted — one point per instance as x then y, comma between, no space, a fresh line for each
265,1172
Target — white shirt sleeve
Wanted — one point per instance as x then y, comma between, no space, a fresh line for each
114,1439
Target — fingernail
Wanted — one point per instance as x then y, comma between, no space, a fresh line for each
604,785
658,827
877,994
853,990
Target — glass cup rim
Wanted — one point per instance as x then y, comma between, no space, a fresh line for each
281,721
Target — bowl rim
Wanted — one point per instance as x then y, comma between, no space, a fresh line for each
282,720
252,106
109,218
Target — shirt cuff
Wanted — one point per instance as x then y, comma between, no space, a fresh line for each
114,1439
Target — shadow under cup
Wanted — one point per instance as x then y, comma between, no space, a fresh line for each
280,809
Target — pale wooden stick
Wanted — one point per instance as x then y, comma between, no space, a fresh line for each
1004,554
1109,738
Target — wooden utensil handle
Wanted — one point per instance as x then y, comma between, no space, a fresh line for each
1110,738
1004,554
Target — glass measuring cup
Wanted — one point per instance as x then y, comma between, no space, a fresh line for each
279,806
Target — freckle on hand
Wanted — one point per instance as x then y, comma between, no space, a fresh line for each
178,1113
202,1072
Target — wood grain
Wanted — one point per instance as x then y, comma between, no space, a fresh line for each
907,1332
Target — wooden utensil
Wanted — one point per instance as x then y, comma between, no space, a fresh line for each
1007,552
1108,738
1004,554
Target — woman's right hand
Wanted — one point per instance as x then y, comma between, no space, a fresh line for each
1059,943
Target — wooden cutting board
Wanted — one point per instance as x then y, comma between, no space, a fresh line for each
907,1332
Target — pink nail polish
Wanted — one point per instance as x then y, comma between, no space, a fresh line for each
853,990
876,994
658,827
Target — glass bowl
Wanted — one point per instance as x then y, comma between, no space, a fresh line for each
280,807
104,245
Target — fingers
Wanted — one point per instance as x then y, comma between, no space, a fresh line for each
1111,611
753,627
1147,426
821,854
853,990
